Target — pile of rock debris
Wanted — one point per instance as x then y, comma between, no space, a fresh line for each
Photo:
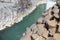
47,27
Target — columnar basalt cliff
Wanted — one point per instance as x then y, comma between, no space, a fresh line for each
47,27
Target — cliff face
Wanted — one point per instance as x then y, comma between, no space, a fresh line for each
13,11
8,11
24,4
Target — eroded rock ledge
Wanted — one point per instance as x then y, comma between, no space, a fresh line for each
46,28
13,11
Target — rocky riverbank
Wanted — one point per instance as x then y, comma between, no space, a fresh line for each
47,27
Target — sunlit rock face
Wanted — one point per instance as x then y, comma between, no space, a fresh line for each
47,27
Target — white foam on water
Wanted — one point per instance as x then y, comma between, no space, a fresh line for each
50,4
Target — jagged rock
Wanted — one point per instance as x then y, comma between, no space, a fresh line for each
43,30
59,27
40,20
48,26
35,36
57,36
24,38
56,10
45,34
40,38
56,15
48,17
28,32
34,28
52,23
52,31
50,38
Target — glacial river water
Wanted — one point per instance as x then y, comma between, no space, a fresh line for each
15,32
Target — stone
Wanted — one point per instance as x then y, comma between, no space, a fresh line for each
34,28
28,31
56,10
35,36
59,27
40,38
27,37
57,36
40,25
39,32
48,17
52,31
40,20
56,15
52,23
50,38
55,7
43,30
47,27
45,34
